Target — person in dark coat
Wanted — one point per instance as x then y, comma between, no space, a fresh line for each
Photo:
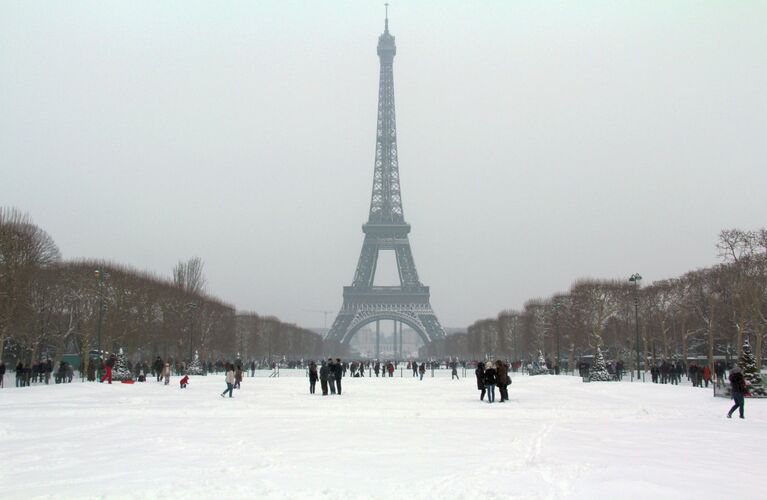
491,379
719,370
502,373
61,374
237,376
422,370
158,366
91,371
480,373
738,384
2,372
48,369
324,378
312,376
339,373
332,375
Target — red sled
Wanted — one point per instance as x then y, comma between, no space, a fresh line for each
127,381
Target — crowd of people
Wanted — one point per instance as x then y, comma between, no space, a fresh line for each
42,372
489,375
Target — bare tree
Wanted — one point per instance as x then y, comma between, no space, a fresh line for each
24,248
189,275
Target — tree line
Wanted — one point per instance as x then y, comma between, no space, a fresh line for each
705,313
51,307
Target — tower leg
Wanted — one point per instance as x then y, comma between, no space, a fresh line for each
394,340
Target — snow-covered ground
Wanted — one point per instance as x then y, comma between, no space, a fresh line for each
383,438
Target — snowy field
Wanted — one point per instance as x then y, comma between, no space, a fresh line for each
383,438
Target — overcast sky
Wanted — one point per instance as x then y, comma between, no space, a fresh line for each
539,142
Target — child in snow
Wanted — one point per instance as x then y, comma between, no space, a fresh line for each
184,381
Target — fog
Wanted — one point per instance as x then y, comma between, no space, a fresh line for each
539,142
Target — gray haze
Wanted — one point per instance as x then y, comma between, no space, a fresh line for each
539,142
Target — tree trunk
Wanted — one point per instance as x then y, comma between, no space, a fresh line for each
646,340
664,334
759,340
684,337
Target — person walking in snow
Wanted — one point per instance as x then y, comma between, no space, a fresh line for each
229,380
738,384
719,371
48,369
312,376
109,365
491,379
502,373
19,373
707,374
324,378
90,371
166,373
415,369
237,377
422,369
339,374
157,368
454,373
2,372
332,375
184,381
252,369
480,374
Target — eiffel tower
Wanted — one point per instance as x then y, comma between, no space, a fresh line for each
386,229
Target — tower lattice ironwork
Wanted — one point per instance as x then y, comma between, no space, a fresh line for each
386,229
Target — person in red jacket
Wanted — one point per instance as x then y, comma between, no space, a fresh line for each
707,375
108,365
184,381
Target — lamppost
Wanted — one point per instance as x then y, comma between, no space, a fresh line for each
100,276
557,306
636,278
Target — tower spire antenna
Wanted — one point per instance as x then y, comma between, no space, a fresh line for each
386,22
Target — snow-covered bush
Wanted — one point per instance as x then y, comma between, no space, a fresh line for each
195,367
120,370
598,371
751,372
539,367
